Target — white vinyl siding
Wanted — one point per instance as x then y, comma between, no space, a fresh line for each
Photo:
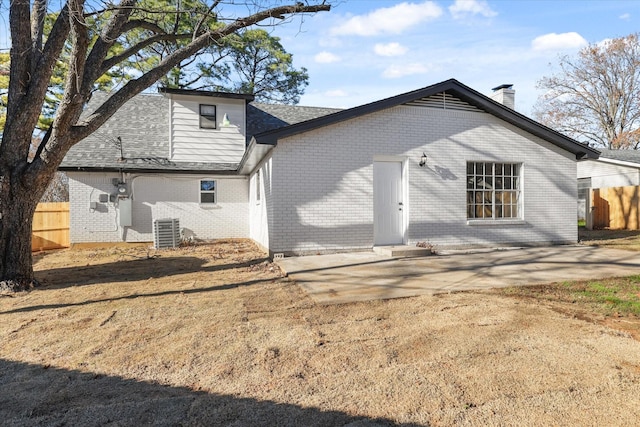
604,174
191,143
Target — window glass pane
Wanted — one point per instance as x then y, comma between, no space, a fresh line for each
207,198
470,183
488,181
469,168
479,169
488,168
469,196
207,185
208,110
498,169
207,123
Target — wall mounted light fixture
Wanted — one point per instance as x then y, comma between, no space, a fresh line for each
423,160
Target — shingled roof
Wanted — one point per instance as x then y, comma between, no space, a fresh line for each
631,156
141,127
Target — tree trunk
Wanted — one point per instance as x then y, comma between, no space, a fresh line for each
17,209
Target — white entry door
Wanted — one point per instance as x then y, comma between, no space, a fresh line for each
387,203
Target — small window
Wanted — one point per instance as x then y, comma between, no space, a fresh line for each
207,116
258,185
208,191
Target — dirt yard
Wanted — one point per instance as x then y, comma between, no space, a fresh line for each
213,335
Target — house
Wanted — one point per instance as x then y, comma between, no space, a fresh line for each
617,207
614,168
443,164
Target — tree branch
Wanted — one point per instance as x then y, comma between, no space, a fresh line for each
109,34
116,59
57,147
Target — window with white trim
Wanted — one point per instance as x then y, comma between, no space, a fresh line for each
493,190
208,191
207,116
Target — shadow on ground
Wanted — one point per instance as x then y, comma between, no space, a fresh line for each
36,395
132,270
605,235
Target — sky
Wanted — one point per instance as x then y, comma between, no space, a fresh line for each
363,51
366,50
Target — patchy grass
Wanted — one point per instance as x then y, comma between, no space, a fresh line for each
615,239
215,335
615,296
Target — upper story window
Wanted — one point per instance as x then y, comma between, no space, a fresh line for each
207,116
493,190
208,191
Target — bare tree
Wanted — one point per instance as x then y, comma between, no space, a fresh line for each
99,40
595,97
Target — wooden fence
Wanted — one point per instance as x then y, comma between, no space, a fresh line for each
616,208
50,226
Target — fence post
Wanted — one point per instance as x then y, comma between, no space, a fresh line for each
589,209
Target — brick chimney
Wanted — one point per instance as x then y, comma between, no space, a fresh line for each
505,95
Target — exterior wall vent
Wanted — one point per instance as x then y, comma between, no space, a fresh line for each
166,233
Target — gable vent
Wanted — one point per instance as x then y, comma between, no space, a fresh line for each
166,233
443,101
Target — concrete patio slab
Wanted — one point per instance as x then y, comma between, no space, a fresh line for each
363,276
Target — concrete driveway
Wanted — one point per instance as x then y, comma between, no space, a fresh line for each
362,276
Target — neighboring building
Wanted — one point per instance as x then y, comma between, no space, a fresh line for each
614,168
443,164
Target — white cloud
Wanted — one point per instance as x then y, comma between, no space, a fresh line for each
397,71
389,20
462,8
326,58
553,41
336,93
389,49
625,16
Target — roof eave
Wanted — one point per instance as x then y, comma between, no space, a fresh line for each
581,151
253,156
246,97
146,170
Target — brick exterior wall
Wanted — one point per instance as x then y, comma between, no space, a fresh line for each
260,212
156,197
322,182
